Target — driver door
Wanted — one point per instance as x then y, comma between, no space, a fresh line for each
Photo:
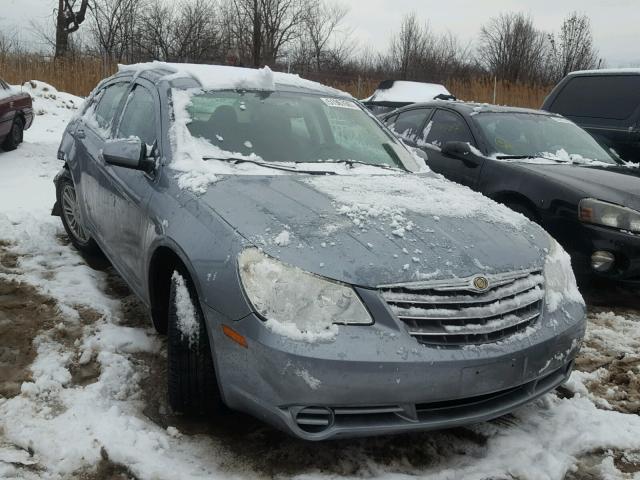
130,189
448,126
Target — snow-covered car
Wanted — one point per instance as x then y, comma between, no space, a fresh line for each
393,94
309,269
16,115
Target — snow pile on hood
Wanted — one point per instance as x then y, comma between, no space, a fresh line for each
223,77
408,92
391,197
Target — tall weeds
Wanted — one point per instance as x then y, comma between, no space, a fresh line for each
81,74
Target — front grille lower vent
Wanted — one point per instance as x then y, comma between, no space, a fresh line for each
458,313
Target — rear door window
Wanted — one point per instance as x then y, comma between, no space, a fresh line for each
446,127
408,124
108,104
139,117
604,96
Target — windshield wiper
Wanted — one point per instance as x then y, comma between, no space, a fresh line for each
270,165
351,163
529,157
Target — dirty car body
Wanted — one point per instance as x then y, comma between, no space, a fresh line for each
442,320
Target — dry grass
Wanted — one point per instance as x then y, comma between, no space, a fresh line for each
76,75
477,90
80,75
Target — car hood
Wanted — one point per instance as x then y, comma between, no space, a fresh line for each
373,230
616,184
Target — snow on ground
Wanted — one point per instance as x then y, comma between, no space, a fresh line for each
82,378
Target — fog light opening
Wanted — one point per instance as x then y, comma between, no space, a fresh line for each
602,261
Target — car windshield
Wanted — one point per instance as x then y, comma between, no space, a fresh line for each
529,135
292,127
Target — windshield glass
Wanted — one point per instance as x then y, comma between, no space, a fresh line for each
543,136
291,127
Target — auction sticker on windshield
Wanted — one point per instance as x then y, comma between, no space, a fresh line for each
340,103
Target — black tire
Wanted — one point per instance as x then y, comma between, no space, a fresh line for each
70,217
191,376
16,135
524,210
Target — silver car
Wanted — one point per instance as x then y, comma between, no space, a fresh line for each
307,267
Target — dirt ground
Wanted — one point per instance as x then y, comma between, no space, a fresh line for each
26,314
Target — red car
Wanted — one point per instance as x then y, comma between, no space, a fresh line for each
16,115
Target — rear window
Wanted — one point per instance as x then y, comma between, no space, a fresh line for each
612,97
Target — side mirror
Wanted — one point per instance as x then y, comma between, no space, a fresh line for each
128,153
461,151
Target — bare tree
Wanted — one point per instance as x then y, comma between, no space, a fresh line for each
512,48
408,45
321,25
573,49
68,21
264,28
183,32
113,26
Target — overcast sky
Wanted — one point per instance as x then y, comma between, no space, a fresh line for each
615,23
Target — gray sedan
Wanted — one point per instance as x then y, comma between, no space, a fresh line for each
307,267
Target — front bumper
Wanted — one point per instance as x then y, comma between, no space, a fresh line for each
583,239
379,380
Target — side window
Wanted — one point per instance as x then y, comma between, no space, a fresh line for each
139,117
408,123
108,104
601,96
447,127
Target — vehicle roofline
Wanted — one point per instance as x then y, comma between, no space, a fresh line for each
468,108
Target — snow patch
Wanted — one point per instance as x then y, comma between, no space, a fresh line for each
188,324
283,238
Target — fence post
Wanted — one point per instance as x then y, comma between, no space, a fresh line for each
495,88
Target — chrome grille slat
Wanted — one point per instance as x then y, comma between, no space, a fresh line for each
417,299
479,331
467,316
457,313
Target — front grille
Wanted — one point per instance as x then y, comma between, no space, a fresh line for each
458,313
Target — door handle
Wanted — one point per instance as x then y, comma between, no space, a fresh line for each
80,133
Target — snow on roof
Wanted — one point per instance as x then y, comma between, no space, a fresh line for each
607,71
223,77
408,92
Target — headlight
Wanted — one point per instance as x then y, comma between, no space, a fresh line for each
559,280
609,215
291,297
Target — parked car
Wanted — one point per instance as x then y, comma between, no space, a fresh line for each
307,268
16,115
543,166
393,94
606,103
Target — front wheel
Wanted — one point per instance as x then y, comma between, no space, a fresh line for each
192,382
15,136
71,219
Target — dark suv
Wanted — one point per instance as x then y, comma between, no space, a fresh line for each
606,103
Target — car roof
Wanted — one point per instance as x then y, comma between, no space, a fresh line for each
223,77
606,71
403,91
473,108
